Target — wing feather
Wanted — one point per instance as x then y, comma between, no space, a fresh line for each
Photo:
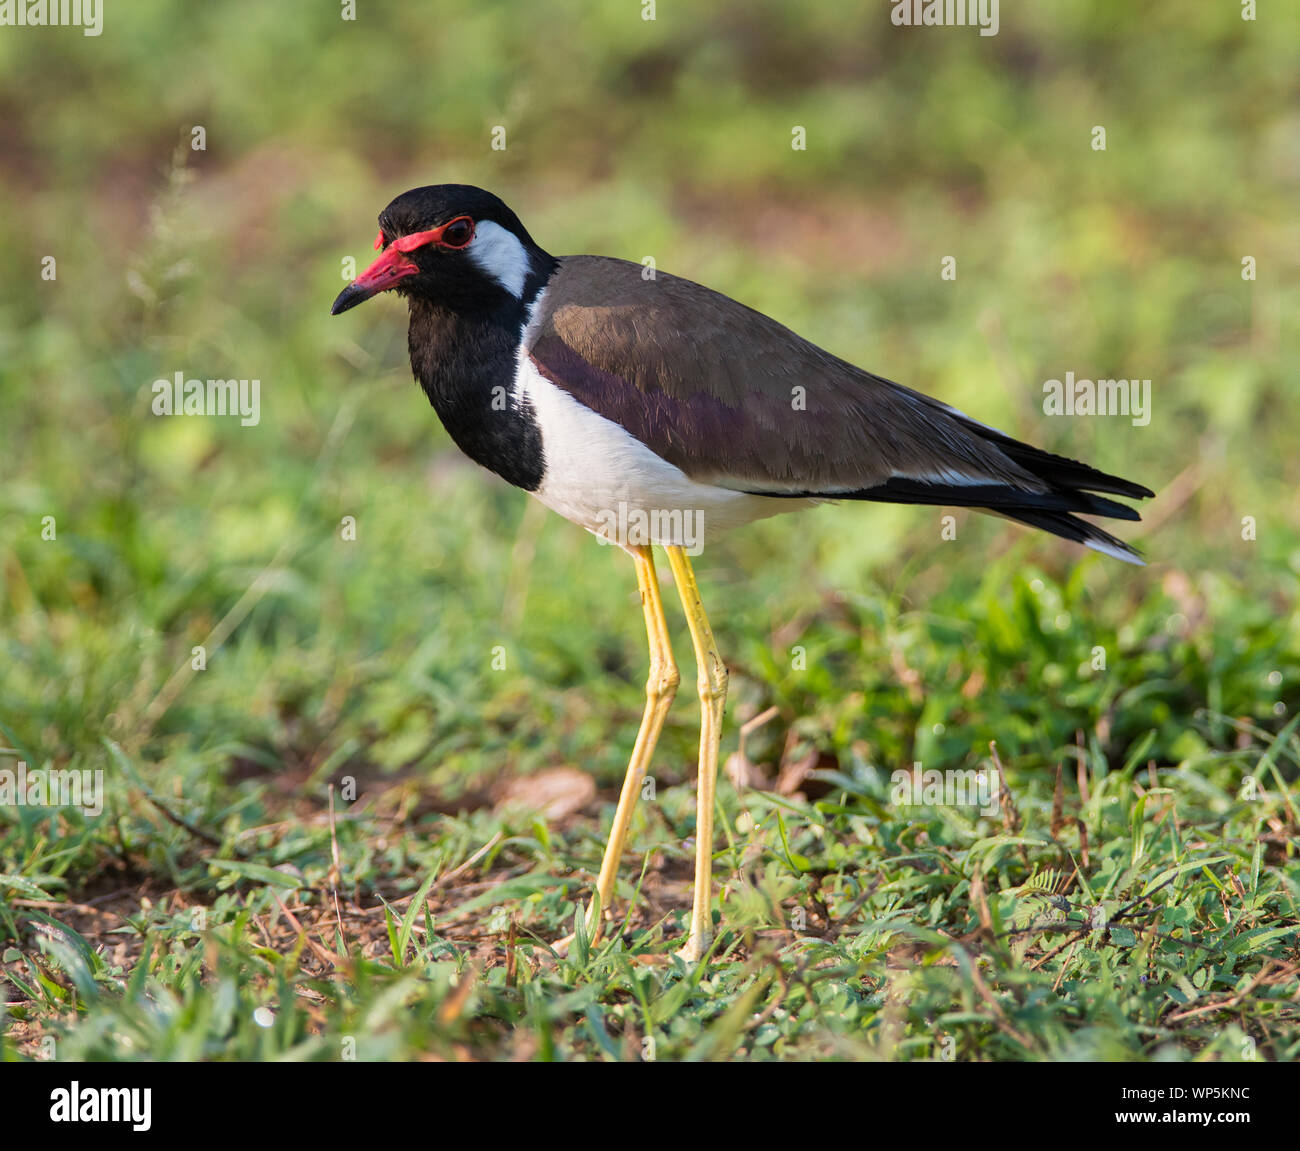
733,398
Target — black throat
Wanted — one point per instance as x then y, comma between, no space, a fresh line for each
465,359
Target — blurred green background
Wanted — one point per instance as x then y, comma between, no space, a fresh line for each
466,637
668,138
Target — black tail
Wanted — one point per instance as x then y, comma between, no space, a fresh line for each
1073,479
1070,487
1066,490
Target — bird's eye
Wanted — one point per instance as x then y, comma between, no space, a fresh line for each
458,233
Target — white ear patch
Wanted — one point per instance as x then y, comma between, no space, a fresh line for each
500,254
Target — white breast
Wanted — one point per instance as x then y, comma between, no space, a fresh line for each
604,479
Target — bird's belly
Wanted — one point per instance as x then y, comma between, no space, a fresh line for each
605,480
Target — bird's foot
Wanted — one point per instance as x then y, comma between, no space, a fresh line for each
695,948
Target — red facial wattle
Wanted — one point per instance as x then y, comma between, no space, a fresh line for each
393,265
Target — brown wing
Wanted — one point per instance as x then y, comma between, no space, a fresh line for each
731,397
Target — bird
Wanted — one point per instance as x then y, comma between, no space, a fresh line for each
653,411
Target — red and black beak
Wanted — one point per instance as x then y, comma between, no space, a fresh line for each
394,266
383,274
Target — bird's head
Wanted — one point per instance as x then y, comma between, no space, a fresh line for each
451,244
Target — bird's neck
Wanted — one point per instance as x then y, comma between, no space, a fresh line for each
466,362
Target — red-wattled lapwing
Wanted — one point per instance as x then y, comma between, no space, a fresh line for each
652,410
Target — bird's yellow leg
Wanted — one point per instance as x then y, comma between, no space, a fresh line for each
660,688
713,697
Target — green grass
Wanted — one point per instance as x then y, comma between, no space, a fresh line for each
1135,899
850,926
